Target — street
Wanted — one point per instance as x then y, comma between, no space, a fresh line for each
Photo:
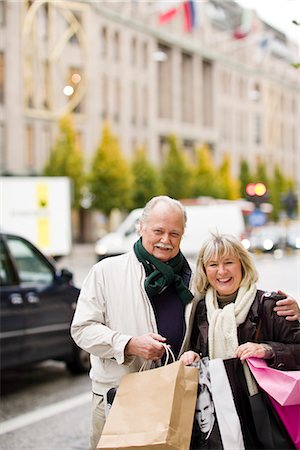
46,408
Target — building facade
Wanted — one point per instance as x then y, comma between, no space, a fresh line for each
116,61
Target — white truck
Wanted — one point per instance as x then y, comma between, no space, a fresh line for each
39,209
201,220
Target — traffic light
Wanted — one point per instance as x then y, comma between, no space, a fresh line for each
256,193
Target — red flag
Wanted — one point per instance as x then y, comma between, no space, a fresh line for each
167,15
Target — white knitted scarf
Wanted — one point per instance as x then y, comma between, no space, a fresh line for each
223,323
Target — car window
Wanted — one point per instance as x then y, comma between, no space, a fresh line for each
6,275
31,266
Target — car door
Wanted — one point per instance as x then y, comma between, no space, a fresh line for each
11,312
48,304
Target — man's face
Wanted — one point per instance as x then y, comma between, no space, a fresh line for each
162,232
205,411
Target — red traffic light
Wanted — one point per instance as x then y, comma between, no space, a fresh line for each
253,189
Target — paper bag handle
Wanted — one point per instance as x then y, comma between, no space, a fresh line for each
169,353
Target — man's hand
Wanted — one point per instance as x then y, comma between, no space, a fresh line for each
189,357
287,307
147,346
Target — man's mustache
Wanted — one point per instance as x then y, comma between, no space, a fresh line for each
165,247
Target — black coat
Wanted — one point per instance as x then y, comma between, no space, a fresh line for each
282,335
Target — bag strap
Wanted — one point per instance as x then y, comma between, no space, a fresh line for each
169,353
260,312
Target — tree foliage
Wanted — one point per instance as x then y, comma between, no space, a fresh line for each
66,159
230,187
145,179
245,177
261,173
278,186
205,177
110,178
176,173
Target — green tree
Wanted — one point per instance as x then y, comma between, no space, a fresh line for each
205,179
261,173
245,177
66,159
145,179
176,173
277,188
110,178
230,187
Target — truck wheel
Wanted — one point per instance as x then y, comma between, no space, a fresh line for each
80,363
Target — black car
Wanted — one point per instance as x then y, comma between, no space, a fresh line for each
37,306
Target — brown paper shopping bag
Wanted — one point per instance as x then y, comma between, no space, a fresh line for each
153,409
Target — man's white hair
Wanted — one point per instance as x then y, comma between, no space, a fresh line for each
175,204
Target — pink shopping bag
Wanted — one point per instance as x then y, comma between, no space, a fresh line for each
283,386
290,417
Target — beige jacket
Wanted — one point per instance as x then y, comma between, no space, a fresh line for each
112,307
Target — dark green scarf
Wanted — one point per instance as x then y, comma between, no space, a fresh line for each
160,275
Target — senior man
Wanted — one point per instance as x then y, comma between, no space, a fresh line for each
129,305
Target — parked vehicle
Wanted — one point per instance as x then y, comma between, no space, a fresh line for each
293,235
41,208
37,306
265,239
201,219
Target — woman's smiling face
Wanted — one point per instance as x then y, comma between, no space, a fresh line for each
224,274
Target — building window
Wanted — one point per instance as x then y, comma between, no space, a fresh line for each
207,90
3,156
145,55
116,46
145,106
294,138
133,103
163,148
104,42
255,93
242,89
104,97
29,147
1,77
294,107
133,51
46,92
226,82
187,88
164,83
2,13
257,130
47,143
117,102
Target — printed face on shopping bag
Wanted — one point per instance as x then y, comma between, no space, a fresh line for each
205,413
224,274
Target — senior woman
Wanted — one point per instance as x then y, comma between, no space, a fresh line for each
229,321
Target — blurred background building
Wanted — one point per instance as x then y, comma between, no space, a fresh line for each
210,72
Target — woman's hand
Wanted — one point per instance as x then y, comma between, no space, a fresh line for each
249,349
189,357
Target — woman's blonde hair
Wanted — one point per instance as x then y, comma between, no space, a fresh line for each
220,245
